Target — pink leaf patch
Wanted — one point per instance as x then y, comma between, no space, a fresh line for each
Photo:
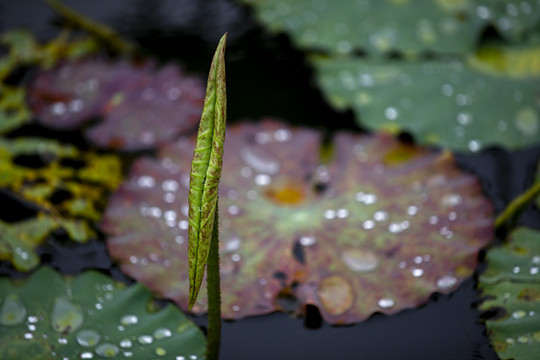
378,228
141,106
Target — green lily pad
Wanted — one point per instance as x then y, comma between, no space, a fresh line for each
90,316
378,228
142,106
490,99
446,26
512,282
68,188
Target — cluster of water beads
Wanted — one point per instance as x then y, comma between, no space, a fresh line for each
311,25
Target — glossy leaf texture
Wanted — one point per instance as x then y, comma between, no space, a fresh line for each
90,316
511,284
378,228
141,105
206,171
381,27
63,187
487,100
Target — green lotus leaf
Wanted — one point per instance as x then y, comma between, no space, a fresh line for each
488,100
67,188
90,316
378,228
512,282
445,26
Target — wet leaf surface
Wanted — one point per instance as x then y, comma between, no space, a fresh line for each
24,50
512,283
373,26
378,228
141,105
90,316
487,100
66,187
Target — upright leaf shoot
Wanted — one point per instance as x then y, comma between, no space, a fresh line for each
206,171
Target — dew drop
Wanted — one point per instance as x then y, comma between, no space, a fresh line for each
417,272
107,350
87,355
367,199
380,215
518,314
145,339
516,270
359,260
262,179
526,122
162,333
126,343
450,200
129,319
464,118
259,160
446,282
329,214
13,311
66,317
483,12
146,181
391,113
308,240
282,135
336,294
386,303
533,270
88,338
412,210
342,213
161,351
474,145
447,90
170,185
368,224
58,108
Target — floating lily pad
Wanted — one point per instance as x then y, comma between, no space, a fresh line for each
67,188
379,228
512,282
342,26
490,99
141,106
90,316
24,50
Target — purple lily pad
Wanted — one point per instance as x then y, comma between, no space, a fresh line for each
141,106
378,228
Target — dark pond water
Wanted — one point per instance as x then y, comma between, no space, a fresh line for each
267,77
